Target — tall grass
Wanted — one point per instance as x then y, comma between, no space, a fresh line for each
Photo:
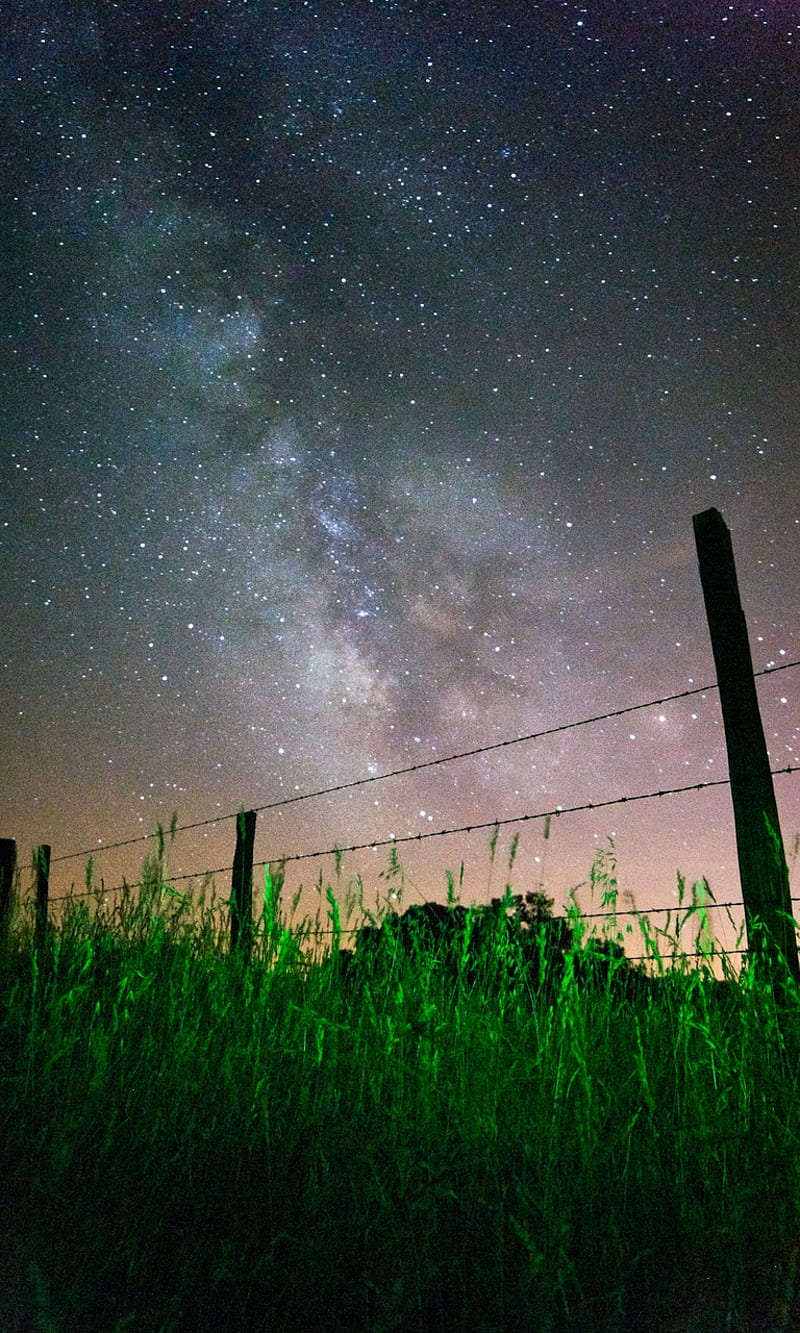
190,1142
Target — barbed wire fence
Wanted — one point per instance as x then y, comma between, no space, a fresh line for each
395,841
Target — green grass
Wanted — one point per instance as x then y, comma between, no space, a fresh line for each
188,1143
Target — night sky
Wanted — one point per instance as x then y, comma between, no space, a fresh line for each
363,365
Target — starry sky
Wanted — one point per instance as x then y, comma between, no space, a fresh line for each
363,364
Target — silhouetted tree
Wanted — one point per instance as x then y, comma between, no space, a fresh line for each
514,940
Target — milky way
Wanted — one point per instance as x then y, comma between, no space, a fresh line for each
363,367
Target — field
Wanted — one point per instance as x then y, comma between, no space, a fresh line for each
192,1141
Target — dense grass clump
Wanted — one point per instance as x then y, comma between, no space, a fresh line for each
192,1141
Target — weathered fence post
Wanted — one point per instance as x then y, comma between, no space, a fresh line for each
42,862
8,865
242,882
762,862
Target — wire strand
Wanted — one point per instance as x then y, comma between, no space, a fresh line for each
444,833
415,768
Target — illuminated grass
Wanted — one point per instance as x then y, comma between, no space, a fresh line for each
189,1144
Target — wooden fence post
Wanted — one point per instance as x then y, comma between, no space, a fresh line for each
7,873
42,862
762,861
8,865
242,882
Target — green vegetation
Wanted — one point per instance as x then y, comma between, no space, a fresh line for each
192,1142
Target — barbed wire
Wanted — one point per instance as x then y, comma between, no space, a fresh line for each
679,909
374,844
695,912
514,819
415,768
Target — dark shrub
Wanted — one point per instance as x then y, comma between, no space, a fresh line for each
513,941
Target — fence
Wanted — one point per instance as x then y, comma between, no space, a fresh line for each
241,869
762,862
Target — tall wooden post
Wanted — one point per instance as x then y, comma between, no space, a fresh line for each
42,862
242,882
762,861
8,865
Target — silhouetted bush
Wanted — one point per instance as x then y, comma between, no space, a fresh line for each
513,941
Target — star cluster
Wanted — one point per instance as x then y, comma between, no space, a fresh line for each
363,365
